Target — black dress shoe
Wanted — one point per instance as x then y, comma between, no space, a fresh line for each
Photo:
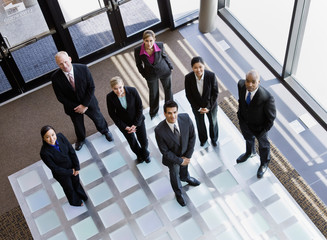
79,145
180,199
108,136
147,159
203,143
214,143
244,157
262,169
140,160
193,182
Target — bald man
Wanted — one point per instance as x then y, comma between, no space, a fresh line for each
256,115
74,88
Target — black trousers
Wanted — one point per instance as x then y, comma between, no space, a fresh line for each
177,174
201,126
153,85
72,189
264,145
96,116
138,141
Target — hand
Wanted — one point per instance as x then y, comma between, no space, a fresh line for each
186,161
204,110
80,109
76,173
131,129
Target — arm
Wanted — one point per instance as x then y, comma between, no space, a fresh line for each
49,161
138,61
139,109
165,57
71,152
59,91
270,112
214,91
89,87
189,92
191,140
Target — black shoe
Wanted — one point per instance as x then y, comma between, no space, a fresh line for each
180,199
193,182
79,145
140,160
147,159
244,157
108,136
152,116
214,143
262,169
203,143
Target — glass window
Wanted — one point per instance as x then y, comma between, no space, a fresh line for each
268,21
4,83
312,62
72,9
184,8
18,20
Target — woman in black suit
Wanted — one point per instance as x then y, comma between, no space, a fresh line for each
154,64
58,154
125,109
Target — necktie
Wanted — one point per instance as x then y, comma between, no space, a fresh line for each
176,133
248,98
71,80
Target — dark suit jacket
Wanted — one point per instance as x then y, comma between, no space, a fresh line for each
170,148
60,163
259,116
122,117
161,66
210,91
84,85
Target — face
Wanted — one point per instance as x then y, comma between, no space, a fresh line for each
50,137
64,62
171,114
148,42
251,82
119,89
198,69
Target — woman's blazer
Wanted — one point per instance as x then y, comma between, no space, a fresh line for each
60,162
122,117
161,66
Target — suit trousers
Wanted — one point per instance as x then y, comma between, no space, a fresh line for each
72,189
153,85
213,124
177,174
96,116
140,145
264,145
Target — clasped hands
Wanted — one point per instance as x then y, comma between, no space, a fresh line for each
131,129
75,173
80,109
204,110
186,161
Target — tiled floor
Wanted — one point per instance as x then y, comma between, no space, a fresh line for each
135,201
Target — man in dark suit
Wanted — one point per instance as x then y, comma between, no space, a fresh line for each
74,88
176,138
125,109
201,90
256,115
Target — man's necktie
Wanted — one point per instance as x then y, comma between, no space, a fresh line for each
248,98
176,133
71,80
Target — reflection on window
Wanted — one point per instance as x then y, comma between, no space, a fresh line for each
183,8
72,9
4,83
268,21
310,72
139,14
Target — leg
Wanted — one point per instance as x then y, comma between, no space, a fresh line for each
78,122
249,141
67,185
166,84
174,172
200,124
94,113
213,124
78,188
143,140
131,139
264,151
153,86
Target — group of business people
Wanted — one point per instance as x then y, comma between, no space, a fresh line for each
74,88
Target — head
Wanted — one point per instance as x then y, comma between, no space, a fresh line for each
48,135
149,38
197,64
64,61
117,85
252,80
171,111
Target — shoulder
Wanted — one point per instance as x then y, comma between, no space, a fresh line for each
160,44
264,93
241,83
138,48
56,74
209,73
183,116
160,126
189,75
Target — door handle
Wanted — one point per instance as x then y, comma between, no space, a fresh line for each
4,51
